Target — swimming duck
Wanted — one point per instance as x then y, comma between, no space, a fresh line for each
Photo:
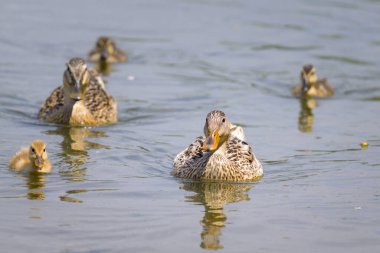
81,100
33,158
310,84
106,51
222,154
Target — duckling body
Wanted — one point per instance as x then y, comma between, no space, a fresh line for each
30,159
106,51
312,86
222,154
81,100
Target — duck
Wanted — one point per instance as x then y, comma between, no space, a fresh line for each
222,154
81,100
31,159
106,51
312,86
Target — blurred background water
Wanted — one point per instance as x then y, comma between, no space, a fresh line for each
111,188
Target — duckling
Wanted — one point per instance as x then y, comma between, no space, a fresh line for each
31,159
222,154
106,51
81,100
310,84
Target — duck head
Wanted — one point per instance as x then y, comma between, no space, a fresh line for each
217,130
308,77
106,47
37,154
76,79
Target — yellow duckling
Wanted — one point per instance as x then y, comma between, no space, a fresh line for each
222,154
81,100
107,51
33,158
310,84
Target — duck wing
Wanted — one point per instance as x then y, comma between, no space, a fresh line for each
52,103
324,87
102,106
240,152
188,157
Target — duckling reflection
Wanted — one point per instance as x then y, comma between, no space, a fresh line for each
306,116
103,67
214,196
75,147
35,181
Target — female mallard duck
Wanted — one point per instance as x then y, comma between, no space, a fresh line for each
81,100
310,84
33,158
222,154
107,51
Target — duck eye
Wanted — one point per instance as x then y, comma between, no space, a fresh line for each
33,150
44,149
224,120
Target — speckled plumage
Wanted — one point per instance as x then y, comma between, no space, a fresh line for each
94,107
107,51
232,160
312,86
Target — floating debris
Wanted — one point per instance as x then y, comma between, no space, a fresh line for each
364,144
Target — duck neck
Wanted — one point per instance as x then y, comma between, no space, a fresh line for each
304,85
68,107
222,149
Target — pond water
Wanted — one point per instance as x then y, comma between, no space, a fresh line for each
111,188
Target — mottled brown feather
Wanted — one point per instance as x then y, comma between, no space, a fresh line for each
232,161
99,108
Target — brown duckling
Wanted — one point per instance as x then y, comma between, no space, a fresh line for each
106,51
310,84
81,100
31,159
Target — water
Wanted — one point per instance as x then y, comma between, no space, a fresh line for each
111,188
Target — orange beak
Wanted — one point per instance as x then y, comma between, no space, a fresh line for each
212,142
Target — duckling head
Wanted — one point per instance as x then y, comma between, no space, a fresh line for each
75,79
37,154
217,130
106,47
308,77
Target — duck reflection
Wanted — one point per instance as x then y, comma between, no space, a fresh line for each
75,149
306,116
214,196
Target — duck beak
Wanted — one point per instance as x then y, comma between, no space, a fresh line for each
212,142
75,93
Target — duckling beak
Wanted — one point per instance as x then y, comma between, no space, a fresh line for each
212,142
103,54
39,162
